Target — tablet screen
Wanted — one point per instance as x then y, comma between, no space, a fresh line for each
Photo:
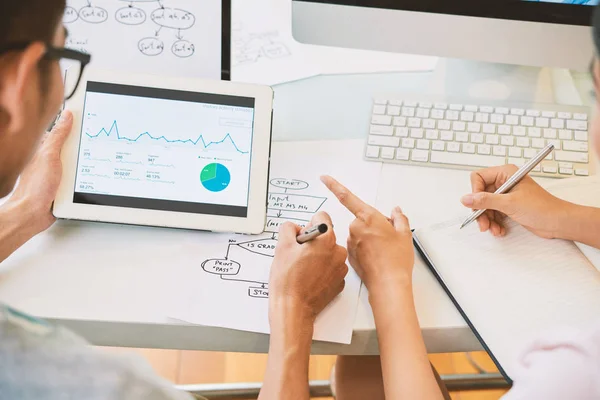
160,149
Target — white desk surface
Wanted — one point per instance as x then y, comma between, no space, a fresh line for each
61,276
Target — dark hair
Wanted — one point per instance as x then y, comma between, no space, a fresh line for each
596,28
29,20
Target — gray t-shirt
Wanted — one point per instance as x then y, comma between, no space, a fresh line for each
42,361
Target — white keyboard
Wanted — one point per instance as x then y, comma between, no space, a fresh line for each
464,136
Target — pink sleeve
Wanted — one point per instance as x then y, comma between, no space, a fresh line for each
563,365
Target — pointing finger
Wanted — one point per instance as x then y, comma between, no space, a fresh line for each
348,199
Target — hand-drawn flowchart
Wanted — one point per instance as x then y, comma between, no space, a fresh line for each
132,13
250,47
249,261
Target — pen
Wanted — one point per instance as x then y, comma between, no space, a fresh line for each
312,233
514,180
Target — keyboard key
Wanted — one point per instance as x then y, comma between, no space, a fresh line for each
512,120
399,121
414,122
474,127
410,103
424,104
566,171
402,154
556,144
373,151
564,115
453,147
499,151
565,134
381,130
519,162
395,102
380,101
497,119
519,131
468,148
571,156
477,138
542,122
575,146
577,125
582,172
420,155
447,135
441,106
471,108
467,116
391,141
408,143
581,117
431,134
548,114
557,123
527,121
462,137
452,115
456,107
529,153
515,152
501,110
444,125
378,109
517,111
393,110
381,120
482,118
423,144
423,113
486,109
581,135
503,130
408,112
417,133
489,128
533,113
565,165
474,160
402,132
388,153
523,142
459,126
492,139
428,123
484,149
437,114
507,140
438,145
550,133
534,132
538,143
537,168
549,169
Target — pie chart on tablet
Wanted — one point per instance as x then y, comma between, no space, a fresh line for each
215,177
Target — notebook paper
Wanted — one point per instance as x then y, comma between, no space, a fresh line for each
514,288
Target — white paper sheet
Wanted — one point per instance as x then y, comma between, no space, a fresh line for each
265,52
231,286
163,37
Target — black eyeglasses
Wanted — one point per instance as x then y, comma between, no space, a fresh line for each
72,61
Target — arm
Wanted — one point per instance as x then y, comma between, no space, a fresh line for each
304,279
15,228
382,254
583,225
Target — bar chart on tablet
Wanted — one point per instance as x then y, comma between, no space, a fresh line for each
157,148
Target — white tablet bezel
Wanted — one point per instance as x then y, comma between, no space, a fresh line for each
254,223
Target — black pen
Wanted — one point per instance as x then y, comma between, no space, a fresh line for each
312,233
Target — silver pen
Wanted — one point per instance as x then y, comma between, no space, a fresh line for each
312,233
514,180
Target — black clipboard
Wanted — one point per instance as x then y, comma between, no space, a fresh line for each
423,253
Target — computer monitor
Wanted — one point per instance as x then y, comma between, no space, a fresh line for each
550,33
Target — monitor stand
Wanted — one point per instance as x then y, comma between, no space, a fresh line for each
479,81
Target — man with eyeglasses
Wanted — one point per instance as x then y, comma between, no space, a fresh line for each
41,361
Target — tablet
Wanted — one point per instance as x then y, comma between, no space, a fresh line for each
169,152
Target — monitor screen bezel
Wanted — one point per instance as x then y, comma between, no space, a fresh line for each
517,10
226,40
